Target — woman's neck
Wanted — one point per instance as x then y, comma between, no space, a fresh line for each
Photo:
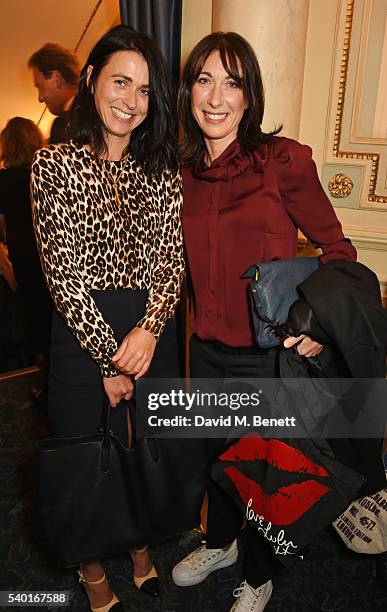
215,148
115,147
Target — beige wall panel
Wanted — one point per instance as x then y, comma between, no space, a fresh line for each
380,121
363,222
319,59
196,23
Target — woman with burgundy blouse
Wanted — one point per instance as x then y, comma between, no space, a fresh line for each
246,193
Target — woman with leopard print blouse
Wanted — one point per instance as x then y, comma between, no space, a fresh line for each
106,208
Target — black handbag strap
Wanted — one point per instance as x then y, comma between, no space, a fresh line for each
104,426
105,429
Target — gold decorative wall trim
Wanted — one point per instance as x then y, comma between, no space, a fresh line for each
373,157
340,185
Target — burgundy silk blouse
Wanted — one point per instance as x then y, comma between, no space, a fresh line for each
245,209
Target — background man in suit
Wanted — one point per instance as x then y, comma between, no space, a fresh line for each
56,74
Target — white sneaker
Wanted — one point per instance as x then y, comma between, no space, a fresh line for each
195,568
252,600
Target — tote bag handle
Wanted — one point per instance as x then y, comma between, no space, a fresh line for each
104,428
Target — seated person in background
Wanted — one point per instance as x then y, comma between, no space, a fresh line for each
11,356
19,140
56,73
5,265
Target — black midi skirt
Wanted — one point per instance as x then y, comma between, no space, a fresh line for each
75,390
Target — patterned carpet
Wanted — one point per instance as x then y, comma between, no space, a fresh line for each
330,579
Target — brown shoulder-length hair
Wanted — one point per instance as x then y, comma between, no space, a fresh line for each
232,48
19,141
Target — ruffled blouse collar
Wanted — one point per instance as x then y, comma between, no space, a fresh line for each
231,163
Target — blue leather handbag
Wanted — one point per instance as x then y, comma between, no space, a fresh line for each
273,289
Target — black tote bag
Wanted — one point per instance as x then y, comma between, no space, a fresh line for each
98,498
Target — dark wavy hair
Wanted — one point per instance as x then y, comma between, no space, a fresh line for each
232,48
153,143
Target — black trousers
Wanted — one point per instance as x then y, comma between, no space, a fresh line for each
224,518
75,390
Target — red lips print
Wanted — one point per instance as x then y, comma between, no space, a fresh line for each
275,452
288,503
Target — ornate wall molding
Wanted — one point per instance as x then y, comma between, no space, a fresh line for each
340,185
337,151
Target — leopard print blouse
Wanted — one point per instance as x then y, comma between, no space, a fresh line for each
87,241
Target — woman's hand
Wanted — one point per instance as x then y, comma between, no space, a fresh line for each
306,346
135,353
118,388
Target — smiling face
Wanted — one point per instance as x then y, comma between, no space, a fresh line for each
217,104
121,96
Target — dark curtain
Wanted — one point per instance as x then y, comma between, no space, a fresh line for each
161,20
